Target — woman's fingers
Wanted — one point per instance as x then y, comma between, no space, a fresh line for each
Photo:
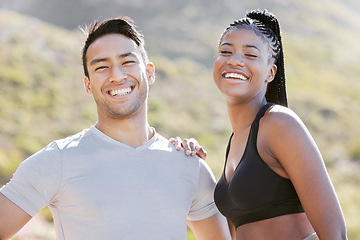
191,146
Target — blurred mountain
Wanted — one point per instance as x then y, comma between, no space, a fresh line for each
42,97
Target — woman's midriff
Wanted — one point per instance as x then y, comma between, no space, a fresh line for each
287,227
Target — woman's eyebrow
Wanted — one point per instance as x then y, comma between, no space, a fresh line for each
226,44
245,46
251,46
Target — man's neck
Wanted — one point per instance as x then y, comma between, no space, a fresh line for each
130,132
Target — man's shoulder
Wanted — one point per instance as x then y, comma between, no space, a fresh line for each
53,149
71,141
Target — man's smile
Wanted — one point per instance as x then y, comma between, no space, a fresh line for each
120,92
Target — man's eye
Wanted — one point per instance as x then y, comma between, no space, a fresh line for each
101,67
128,62
225,52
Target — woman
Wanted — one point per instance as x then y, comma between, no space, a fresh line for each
274,184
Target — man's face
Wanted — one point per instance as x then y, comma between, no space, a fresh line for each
118,77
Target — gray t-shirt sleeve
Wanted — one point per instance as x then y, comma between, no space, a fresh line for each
203,205
35,182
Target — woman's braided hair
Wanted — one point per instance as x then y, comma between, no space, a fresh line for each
266,25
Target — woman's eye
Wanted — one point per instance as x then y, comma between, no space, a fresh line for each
251,55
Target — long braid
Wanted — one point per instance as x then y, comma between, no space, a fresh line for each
276,91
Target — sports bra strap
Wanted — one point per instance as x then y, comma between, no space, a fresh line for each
254,126
262,111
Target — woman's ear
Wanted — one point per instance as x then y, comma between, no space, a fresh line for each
150,72
271,74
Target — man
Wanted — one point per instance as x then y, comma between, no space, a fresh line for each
119,179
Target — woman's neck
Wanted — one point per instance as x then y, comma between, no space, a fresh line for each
242,115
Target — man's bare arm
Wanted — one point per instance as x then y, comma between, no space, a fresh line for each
212,228
12,218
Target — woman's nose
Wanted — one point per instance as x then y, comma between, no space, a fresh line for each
236,60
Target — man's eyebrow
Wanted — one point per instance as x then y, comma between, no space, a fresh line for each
97,60
123,55
126,54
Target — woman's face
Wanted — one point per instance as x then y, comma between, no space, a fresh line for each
243,66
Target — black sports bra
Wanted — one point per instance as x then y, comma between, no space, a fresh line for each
254,192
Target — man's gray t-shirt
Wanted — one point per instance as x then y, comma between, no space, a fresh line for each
99,188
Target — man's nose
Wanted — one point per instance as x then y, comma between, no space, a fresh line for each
117,74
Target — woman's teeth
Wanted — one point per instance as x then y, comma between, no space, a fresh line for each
235,75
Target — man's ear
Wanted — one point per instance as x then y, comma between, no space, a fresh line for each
271,74
87,86
150,72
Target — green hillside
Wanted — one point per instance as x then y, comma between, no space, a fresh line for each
42,97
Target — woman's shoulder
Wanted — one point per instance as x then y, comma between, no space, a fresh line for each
278,115
281,119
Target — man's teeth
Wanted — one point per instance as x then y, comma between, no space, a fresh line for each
235,75
120,92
